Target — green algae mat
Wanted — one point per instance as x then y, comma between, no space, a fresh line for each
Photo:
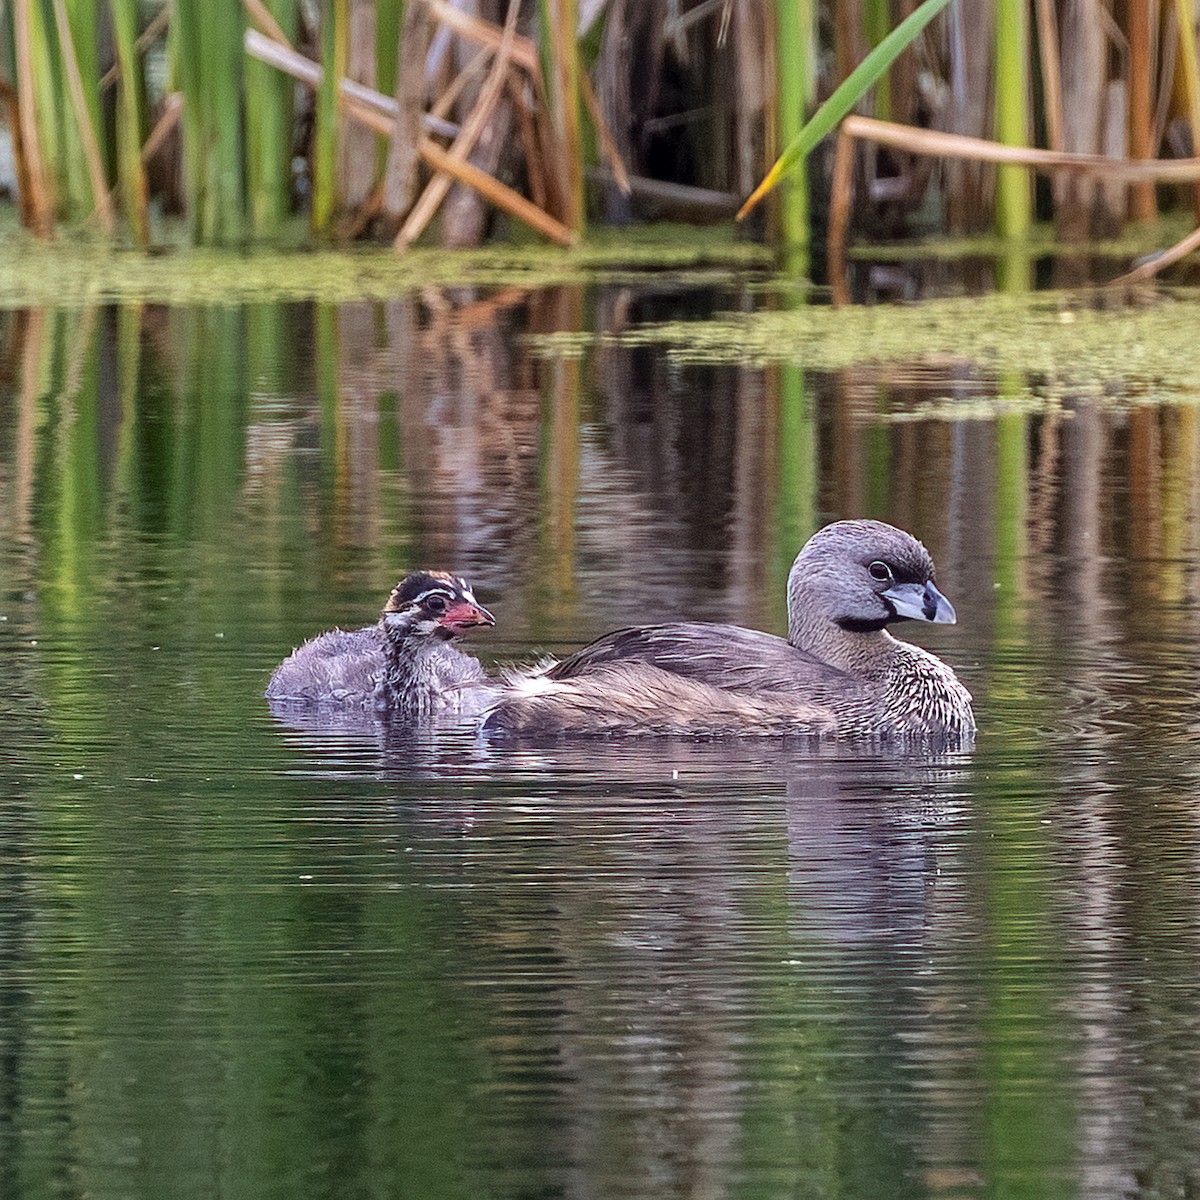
70,272
1037,349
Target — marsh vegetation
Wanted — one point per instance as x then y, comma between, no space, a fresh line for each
276,121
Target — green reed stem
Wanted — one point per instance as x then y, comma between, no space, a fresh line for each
845,96
795,50
130,121
877,19
206,41
335,50
269,115
76,29
389,20
1014,214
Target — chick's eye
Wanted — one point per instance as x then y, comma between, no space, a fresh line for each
880,572
436,604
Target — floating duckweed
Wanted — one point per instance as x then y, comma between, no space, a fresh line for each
563,344
978,408
1071,342
83,272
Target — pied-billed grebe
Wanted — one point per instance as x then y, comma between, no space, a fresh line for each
403,665
839,673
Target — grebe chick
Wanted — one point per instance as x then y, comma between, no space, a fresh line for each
404,665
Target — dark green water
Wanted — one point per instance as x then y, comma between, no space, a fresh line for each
239,959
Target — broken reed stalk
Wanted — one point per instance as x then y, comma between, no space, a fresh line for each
145,40
953,145
435,191
1160,262
608,144
525,55
444,104
264,18
167,120
498,194
534,168
524,52
378,112
681,199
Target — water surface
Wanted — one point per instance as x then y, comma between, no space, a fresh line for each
248,959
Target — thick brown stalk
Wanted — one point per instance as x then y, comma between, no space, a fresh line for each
846,25
753,72
567,68
1077,200
41,204
1142,203
968,187
401,176
1048,49
13,113
435,191
357,149
839,211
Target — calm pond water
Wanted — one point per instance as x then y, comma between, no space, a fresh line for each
240,959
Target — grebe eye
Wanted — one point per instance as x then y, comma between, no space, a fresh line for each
880,571
436,603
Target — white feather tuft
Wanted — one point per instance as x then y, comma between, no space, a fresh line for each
531,681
